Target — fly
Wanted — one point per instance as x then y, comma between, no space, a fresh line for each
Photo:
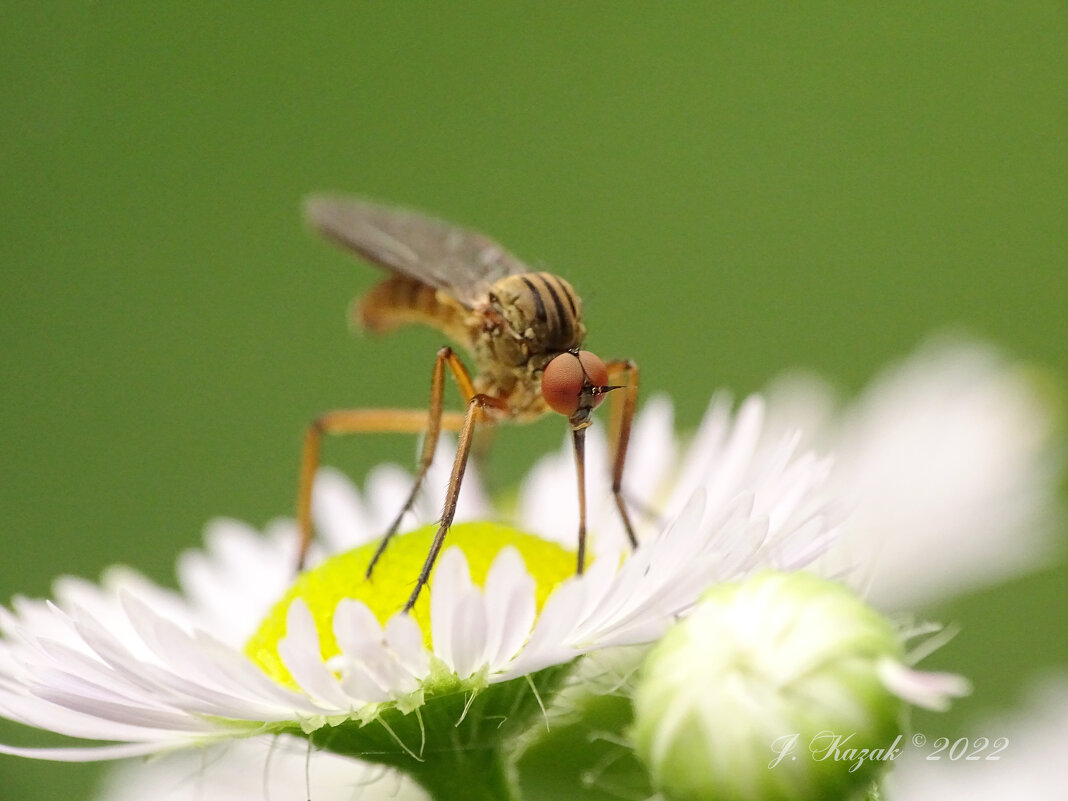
523,329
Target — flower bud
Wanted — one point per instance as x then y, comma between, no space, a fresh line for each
770,689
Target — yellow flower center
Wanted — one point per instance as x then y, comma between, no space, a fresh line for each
385,593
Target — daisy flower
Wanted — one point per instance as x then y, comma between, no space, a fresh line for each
949,463
919,451
1017,755
255,769
153,670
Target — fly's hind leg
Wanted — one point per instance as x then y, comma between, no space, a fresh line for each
622,404
363,421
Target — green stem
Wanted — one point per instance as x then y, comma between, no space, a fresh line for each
478,775
451,765
460,745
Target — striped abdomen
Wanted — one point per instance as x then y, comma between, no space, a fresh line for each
400,300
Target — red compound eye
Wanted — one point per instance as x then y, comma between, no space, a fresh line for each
561,383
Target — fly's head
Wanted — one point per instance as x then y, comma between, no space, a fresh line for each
575,383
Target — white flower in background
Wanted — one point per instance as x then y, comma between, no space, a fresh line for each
153,670
259,769
1009,756
949,463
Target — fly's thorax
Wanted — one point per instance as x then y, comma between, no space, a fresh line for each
540,313
518,386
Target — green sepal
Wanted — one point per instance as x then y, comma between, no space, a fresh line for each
461,743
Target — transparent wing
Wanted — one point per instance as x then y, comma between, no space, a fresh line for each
437,253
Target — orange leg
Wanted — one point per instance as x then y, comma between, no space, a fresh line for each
363,421
475,407
578,436
622,404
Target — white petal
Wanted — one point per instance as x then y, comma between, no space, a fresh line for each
241,770
363,643
405,639
88,754
510,604
950,462
452,584
1010,755
299,652
921,688
458,615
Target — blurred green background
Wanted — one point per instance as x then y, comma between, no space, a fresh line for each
732,189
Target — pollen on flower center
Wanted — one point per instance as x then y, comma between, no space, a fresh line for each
343,576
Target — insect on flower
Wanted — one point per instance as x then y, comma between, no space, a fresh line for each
523,329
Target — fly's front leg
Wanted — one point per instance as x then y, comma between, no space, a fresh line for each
362,421
622,405
475,407
578,437
430,442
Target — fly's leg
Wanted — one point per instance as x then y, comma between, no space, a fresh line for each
363,421
475,407
481,446
579,438
621,415
353,421
430,442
